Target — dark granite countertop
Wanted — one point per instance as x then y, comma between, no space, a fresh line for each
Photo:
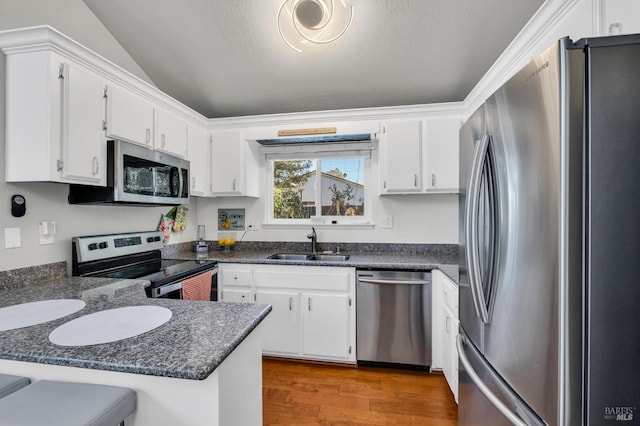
191,345
383,256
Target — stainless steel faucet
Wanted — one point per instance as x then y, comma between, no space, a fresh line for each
314,239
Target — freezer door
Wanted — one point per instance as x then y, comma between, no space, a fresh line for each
521,338
484,398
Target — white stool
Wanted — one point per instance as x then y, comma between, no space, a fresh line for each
10,384
67,404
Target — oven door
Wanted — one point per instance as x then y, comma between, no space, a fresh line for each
145,176
173,290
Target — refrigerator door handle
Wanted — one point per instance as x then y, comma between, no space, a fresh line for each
471,228
495,401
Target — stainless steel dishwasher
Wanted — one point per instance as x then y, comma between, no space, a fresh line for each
393,318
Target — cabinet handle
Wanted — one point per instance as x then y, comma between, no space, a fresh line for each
193,182
309,301
148,136
162,143
384,184
234,184
415,181
433,179
96,166
447,326
291,303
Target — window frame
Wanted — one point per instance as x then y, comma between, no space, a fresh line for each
364,220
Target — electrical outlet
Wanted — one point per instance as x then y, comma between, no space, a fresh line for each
385,222
47,230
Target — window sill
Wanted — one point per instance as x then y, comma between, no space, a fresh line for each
363,225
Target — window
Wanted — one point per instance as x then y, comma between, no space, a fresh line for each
319,188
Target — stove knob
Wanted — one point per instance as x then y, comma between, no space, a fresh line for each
156,239
92,246
103,245
150,239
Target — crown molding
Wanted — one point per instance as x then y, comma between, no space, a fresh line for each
440,110
520,50
46,38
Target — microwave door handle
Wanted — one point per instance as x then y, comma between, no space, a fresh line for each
171,174
181,181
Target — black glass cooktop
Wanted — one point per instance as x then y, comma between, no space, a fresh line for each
163,272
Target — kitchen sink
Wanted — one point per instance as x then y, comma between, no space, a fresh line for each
290,256
312,257
329,257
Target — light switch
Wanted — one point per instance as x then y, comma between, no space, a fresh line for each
12,237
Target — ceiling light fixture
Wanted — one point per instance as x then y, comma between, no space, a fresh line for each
313,21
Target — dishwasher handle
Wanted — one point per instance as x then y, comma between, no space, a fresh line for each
391,281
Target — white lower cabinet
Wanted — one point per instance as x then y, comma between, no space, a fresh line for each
313,308
282,330
445,329
325,326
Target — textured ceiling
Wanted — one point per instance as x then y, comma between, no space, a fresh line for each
225,58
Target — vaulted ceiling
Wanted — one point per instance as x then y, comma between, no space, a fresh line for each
226,57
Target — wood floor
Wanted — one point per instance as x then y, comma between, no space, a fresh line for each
297,393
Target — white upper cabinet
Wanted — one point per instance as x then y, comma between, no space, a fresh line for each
198,155
620,17
419,156
441,154
129,116
235,165
54,111
400,157
83,143
170,133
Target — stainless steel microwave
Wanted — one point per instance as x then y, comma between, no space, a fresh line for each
137,175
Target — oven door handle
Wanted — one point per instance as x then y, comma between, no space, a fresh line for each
162,290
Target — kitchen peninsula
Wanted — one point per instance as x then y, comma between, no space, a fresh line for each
201,367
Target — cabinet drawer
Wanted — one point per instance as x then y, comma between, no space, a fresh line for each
330,281
236,277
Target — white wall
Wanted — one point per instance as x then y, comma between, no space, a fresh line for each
48,201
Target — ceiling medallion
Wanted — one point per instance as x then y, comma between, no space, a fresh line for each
313,21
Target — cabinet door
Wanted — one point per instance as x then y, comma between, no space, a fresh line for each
438,323
281,328
620,17
400,157
129,116
240,295
198,155
170,133
326,325
441,152
235,168
83,143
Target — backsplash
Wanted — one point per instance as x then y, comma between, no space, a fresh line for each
303,247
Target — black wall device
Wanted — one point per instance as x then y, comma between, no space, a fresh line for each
18,206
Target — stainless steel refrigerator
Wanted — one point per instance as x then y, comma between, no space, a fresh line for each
550,242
